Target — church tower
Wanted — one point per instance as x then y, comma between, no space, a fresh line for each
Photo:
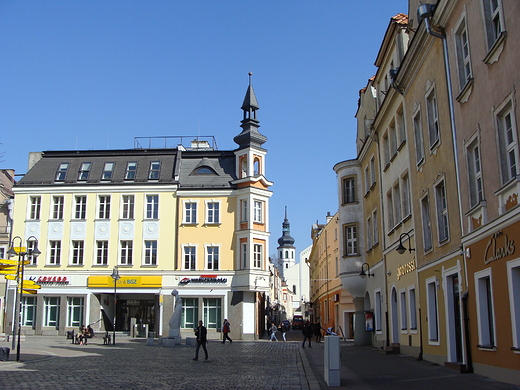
286,249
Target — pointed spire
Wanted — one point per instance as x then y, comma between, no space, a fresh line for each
250,135
286,240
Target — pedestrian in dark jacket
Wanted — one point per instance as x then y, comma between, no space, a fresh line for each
226,328
307,333
317,331
202,338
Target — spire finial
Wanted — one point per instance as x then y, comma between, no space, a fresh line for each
250,78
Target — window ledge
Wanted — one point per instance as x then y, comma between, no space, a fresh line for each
491,348
497,48
401,145
465,93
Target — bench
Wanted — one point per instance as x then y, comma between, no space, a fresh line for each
106,339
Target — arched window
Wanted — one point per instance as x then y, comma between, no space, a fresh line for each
256,167
243,167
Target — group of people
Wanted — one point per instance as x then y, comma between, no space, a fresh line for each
84,333
201,333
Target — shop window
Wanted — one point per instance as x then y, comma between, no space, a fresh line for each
212,313
190,313
51,311
28,311
75,311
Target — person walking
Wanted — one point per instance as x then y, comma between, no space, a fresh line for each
273,330
307,333
317,331
202,337
284,330
226,329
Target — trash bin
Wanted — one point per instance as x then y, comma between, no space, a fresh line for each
4,354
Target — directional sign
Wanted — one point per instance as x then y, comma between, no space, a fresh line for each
13,262
25,291
10,277
31,284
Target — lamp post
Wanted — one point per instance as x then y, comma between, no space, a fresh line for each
400,248
116,277
363,273
21,252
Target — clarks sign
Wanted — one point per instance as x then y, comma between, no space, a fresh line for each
498,247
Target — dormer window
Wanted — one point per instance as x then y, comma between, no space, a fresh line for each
131,169
62,172
107,171
204,171
155,167
84,171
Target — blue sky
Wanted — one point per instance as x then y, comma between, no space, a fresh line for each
95,74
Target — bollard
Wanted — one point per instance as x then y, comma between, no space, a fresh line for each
332,361
149,340
4,354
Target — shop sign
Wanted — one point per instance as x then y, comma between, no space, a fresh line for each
61,280
125,281
498,247
405,269
204,279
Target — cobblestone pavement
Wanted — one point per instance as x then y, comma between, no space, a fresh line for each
55,363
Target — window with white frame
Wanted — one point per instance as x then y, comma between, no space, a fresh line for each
155,169
405,190
31,245
375,227
386,148
400,123
131,170
372,171
393,139
152,206
258,211
397,203
213,212
212,258
432,310
35,207
101,252
476,189
349,190
258,251
28,311
412,301
378,311
493,20
75,306
351,247
403,312
244,211
150,252
442,211
127,207
127,248
390,210
78,251
104,207
190,257
80,207
462,53
418,135
190,212
426,223
367,179
485,309
212,312
84,171
369,233
508,143
57,207
54,252
433,117
51,311
108,170
243,252
513,268
190,313
62,172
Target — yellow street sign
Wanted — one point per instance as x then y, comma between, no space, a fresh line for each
10,277
8,267
31,284
29,291
13,262
20,249
10,272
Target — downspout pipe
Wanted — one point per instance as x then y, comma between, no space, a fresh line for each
424,13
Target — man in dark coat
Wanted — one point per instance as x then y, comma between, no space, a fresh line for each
202,337
307,333
226,328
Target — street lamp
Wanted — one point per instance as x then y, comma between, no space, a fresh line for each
400,248
363,273
116,277
21,252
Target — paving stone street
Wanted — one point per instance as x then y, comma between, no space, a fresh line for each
54,363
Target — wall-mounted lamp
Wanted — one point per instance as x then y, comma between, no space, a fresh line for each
363,273
401,249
